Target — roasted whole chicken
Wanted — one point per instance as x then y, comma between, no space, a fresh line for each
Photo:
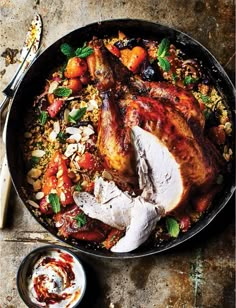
130,144
154,130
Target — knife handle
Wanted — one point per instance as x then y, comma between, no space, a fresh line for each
5,187
4,102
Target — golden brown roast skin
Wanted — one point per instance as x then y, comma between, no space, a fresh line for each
198,159
113,144
179,98
106,70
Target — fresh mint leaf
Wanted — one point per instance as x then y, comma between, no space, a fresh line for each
61,137
43,117
164,64
78,187
189,79
83,52
77,115
62,92
67,50
34,160
204,98
81,220
55,202
172,227
163,48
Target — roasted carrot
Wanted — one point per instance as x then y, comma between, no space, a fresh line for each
137,56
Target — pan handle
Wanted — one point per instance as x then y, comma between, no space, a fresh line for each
5,187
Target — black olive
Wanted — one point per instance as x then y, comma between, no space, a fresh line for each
128,43
149,71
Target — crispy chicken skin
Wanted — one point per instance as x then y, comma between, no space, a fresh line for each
179,98
112,137
106,69
170,113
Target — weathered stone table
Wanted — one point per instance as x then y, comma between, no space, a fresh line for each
201,272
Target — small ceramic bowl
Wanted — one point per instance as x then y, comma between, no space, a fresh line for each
51,276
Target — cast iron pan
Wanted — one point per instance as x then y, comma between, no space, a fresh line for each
33,83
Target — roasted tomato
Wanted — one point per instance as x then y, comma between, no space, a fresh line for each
90,230
75,67
87,161
56,178
74,84
113,238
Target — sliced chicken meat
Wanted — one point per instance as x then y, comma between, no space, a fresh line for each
160,175
117,209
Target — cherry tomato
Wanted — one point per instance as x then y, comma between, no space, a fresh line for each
75,67
113,49
56,177
55,107
64,183
74,84
49,184
87,161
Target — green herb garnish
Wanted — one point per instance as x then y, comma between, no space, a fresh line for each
61,137
204,98
207,113
189,79
34,160
81,219
77,115
172,227
55,202
162,53
43,117
78,187
67,50
62,92
83,51
175,77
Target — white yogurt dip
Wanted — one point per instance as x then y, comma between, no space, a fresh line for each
57,280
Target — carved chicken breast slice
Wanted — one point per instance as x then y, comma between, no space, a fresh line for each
159,173
143,219
110,205
119,210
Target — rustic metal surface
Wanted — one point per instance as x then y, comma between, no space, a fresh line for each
201,272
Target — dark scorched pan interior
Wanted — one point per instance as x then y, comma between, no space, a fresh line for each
33,83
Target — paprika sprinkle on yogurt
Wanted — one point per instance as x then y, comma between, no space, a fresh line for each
55,280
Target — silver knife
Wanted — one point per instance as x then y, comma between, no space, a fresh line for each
28,54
